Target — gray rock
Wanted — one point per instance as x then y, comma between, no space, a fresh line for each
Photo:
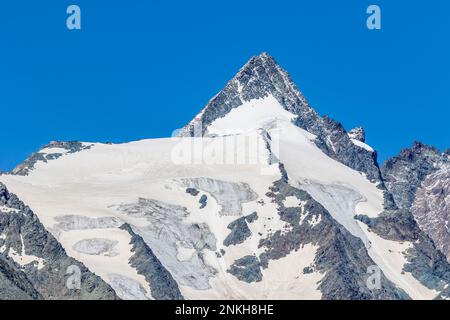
427,264
252,217
396,225
431,208
307,270
14,283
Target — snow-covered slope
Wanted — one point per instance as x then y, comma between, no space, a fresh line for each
256,206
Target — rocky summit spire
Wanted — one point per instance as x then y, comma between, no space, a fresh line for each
259,77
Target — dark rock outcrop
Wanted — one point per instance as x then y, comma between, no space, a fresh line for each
239,230
431,208
192,191
246,269
203,201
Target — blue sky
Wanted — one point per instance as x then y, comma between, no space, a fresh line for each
140,69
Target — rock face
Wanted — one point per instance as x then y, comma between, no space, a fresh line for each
246,269
336,143
357,133
419,181
239,230
33,265
431,208
404,173
417,210
262,76
14,284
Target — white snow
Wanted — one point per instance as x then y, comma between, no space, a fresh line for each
362,145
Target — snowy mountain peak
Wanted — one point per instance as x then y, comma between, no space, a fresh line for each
259,78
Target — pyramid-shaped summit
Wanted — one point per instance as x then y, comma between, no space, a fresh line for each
259,77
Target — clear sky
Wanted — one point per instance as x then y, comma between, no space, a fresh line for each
140,69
